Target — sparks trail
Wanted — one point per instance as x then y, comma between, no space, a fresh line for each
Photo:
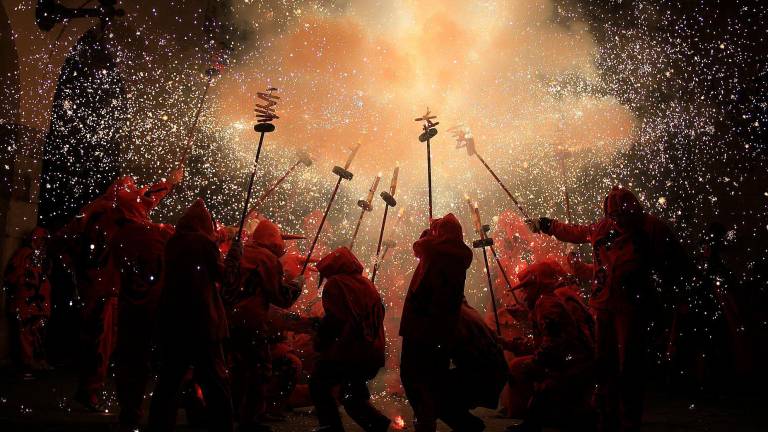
266,114
464,139
426,136
365,206
389,201
343,174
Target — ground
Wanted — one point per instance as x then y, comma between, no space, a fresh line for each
43,404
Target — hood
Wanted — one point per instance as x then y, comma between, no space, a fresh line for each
197,219
621,200
267,235
133,203
38,238
540,278
106,201
340,261
444,237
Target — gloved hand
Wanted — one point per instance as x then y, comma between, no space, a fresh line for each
540,225
533,225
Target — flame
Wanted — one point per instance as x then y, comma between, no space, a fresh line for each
398,423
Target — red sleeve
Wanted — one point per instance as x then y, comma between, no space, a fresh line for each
158,191
572,233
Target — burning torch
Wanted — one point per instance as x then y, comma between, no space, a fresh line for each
464,139
426,136
365,206
265,114
343,174
483,242
389,200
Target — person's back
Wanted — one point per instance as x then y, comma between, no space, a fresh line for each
350,342
192,323
431,307
352,331
191,307
429,324
138,252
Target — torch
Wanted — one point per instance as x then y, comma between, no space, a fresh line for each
483,242
389,200
343,174
265,114
390,244
426,136
464,139
365,206
304,159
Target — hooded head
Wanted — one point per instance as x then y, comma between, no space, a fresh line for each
623,208
38,238
340,261
447,227
133,202
444,238
267,235
197,219
540,278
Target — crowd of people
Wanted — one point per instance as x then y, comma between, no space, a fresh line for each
229,324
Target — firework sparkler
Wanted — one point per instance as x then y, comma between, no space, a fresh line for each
265,115
366,205
483,242
389,200
426,136
464,139
343,174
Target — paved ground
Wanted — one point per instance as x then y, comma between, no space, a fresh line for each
43,404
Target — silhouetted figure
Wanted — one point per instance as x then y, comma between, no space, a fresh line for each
350,341
552,375
29,301
255,281
138,251
632,250
429,326
192,323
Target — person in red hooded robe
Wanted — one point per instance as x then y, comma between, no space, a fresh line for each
631,250
137,250
29,301
99,279
551,377
91,234
192,323
255,281
350,341
429,326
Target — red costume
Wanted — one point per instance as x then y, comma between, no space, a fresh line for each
429,326
552,376
631,249
257,281
29,301
97,285
192,323
350,342
137,250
